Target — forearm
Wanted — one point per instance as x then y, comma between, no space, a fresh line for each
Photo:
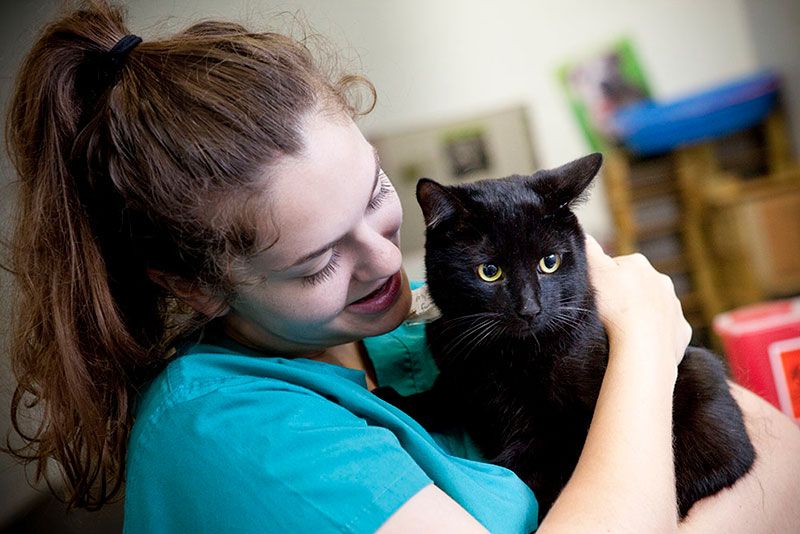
624,480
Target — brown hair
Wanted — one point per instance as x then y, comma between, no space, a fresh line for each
157,169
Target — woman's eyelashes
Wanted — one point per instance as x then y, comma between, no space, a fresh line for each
324,273
327,271
383,192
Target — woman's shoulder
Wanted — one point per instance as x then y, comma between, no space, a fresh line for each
254,441
212,382
231,442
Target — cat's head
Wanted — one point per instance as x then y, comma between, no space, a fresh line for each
511,247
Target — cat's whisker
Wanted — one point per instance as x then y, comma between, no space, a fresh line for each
461,337
567,320
558,325
497,332
488,332
574,308
477,341
567,304
536,339
572,321
458,321
467,340
469,316
479,320
565,324
477,333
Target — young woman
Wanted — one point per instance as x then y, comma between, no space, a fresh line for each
210,284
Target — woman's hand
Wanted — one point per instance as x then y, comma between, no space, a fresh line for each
637,303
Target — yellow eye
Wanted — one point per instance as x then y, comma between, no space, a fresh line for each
549,264
489,272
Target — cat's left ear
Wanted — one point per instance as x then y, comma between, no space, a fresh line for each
438,203
566,185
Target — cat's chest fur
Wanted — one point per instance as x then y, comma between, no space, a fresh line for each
532,390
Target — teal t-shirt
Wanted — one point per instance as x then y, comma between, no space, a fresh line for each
228,441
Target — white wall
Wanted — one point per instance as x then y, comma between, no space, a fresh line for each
436,60
775,32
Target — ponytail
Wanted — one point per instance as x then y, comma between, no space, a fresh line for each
72,352
158,165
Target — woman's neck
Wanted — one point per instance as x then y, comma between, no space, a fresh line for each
352,355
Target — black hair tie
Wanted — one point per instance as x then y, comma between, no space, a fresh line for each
100,71
107,66
119,52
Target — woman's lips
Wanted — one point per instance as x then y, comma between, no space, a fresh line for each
379,300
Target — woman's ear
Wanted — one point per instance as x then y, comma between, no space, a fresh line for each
209,305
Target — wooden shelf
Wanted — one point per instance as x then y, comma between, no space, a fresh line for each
673,265
677,208
654,190
658,230
691,302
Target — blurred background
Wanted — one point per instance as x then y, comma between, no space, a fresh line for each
694,104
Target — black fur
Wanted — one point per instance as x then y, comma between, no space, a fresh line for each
522,359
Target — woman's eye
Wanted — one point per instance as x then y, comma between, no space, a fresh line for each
323,273
383,192
549,264
489,272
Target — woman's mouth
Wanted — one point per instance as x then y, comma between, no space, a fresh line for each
379,300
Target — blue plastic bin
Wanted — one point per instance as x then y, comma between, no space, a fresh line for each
649,128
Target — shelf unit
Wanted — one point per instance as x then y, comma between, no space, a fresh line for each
683,210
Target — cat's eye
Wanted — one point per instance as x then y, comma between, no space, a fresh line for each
549,264
489,272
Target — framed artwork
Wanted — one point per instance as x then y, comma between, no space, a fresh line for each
600,84
466,151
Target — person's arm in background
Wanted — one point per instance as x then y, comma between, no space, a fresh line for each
767,499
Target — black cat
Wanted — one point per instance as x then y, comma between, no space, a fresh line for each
520,346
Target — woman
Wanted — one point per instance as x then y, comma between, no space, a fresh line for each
210,284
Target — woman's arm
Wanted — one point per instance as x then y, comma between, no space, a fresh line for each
767,499
431,510
624,479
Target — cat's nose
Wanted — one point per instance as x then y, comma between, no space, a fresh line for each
530,310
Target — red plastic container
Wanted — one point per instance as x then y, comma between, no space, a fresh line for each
762,343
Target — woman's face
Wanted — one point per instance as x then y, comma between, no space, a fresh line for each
334,274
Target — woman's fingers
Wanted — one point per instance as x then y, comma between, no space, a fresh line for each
634,299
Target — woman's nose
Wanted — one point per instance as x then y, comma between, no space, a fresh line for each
377,254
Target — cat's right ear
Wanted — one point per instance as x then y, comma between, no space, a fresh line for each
437,203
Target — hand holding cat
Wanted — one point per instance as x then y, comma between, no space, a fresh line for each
636,302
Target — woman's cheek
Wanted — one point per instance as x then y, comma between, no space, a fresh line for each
327,300
394,216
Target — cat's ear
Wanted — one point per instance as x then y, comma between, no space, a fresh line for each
437,203
567,185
